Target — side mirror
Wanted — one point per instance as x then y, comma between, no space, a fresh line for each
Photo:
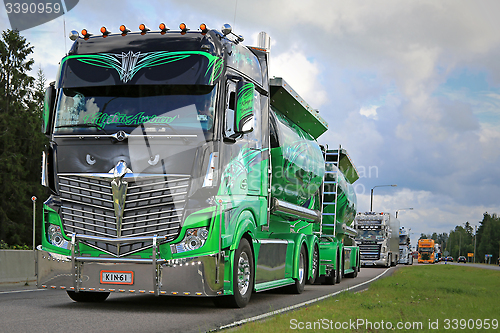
243,120
48,108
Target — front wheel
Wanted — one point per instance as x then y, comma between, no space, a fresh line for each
87,296
243,278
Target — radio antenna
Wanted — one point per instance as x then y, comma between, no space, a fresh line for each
65,47
234,18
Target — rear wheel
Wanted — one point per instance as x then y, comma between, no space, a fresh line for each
315,266
298,286
339,272
87,296
243,276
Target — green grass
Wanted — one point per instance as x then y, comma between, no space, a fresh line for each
424,294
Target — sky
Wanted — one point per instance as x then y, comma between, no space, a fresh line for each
411,89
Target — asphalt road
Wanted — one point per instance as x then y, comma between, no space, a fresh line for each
25,309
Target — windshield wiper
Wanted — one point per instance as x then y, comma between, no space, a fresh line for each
83,125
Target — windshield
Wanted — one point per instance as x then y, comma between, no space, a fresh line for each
426,249
184,109
370,234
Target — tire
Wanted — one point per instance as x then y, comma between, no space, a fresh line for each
393,263
339,271
243,278
300,282
389,261
315,266
87,296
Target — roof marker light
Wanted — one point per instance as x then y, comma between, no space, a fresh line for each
163,27
105,32
203,28
183,28
143,29
124,30
86,34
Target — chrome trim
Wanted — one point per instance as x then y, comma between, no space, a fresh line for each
212,166
273,241
45,172
122,204
104,136
295,211
187,276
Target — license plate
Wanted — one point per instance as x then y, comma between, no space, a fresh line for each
117,277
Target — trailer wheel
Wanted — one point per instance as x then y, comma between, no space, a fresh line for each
243,278
315,266
87,296
340,268
330,278
298,286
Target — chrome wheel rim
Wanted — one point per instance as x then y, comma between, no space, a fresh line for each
243,273
301,268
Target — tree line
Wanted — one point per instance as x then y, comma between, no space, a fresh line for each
461,241
21,140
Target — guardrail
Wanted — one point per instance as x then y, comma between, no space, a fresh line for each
17,266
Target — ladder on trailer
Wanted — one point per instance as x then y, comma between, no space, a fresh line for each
329,190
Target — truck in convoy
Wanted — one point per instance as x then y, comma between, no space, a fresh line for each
338,209
437,252
176,166
405,253
377,238
426,251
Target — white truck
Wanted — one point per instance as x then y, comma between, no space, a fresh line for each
405,253
378,239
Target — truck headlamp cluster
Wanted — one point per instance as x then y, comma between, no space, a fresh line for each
54,235
193,240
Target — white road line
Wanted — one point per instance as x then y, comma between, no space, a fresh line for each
293,307
20,291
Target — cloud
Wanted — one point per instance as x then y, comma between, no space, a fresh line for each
386,76
302,74
369,111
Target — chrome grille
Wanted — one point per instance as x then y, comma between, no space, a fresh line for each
369,251
153,206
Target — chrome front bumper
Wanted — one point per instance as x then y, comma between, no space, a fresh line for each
380,262
196,276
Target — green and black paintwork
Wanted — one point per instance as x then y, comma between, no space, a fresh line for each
227,154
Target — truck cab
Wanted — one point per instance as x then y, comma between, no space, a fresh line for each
175,168
378,239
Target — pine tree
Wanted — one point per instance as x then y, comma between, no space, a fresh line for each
21,141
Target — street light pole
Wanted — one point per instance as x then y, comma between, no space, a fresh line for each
371,196
33,198
401,210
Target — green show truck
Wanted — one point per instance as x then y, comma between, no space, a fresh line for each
176,166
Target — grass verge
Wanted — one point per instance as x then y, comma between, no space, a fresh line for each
423,298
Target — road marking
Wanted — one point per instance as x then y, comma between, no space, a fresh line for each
293,307
20,291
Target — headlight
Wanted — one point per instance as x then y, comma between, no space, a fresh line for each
194,239
55,237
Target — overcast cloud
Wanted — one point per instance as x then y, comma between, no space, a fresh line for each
410,88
